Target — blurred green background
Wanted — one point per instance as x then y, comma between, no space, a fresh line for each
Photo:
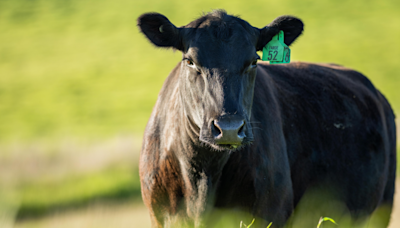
78,82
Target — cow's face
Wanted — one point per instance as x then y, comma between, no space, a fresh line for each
218,70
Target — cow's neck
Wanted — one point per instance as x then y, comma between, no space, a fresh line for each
201,168
201,172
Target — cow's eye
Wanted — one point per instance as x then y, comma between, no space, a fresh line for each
253,64
189,63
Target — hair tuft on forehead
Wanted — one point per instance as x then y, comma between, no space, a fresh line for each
220,23
219,13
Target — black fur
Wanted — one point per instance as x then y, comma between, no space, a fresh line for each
306,126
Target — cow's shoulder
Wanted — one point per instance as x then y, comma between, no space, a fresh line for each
159,113
154,136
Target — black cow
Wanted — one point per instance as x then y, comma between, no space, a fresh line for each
228,132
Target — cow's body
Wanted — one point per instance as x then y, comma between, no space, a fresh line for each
321,126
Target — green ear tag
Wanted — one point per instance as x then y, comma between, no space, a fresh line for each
276,51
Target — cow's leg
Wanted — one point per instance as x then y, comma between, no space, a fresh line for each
381,216
369,197
275,206
274,194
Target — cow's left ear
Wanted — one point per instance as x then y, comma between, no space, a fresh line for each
160,31
291,26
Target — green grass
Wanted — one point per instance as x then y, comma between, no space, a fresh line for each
81,69
44,197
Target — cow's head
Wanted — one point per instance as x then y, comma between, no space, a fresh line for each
218,69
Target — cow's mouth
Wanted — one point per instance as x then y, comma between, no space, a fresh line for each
226,147
229,147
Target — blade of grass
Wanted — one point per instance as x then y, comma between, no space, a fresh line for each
321,220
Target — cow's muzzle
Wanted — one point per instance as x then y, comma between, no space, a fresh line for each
228,131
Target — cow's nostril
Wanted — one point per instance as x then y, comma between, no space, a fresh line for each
241,129
216,130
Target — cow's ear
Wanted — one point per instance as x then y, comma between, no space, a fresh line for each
291,26
159,30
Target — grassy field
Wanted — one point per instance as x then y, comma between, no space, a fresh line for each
124,215
78,82
82,69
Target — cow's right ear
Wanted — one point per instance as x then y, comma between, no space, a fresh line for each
160,31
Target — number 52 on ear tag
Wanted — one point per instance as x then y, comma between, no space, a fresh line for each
276,51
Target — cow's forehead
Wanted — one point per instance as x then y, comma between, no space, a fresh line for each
228,29
220,54
214,42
